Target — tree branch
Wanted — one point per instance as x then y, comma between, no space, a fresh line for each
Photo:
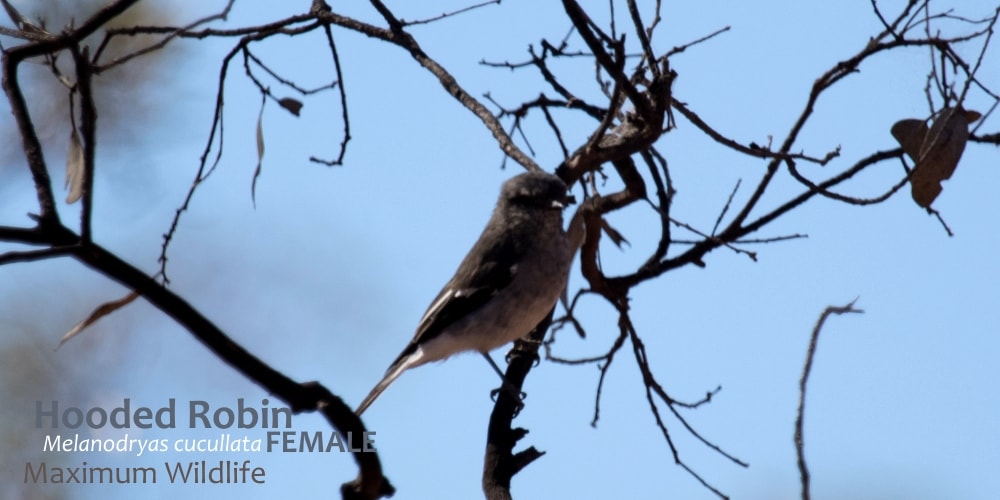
810,354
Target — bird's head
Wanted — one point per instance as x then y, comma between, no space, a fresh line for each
536,190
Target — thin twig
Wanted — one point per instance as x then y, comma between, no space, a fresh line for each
221,15
810,354
449,14
33,255
344,118
681,48
725,208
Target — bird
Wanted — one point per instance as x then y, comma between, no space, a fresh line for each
507,283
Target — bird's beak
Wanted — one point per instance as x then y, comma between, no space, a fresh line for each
563,203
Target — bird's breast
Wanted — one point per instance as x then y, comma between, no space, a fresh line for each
516,309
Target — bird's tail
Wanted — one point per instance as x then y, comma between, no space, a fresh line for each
394,372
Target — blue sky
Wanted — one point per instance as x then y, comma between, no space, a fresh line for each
328,276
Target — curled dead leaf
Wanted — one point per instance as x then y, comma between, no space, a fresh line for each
98,313
260,154
935,151
260,135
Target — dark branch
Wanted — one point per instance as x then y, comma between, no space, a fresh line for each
810,354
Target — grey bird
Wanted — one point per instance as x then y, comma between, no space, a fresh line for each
505,286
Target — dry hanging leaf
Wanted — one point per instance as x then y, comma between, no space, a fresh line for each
910,135
74,168
260,135
101,311
575,233
260,154
292,105
935,151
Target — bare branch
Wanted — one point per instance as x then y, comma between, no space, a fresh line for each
33,255
396,35
750,150
343,103
806,370
453,13
681,48
725,208
204,171
88,133
647,49
584,27
221,15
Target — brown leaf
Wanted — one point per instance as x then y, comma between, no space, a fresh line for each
935,151
292,105
101,311
74,168
910,135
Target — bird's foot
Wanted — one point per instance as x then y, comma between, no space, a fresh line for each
534,354
512,392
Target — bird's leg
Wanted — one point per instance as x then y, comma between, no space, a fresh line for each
505,386
494,365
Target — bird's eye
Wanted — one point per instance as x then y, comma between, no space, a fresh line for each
527,199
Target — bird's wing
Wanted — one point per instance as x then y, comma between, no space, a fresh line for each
483,274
